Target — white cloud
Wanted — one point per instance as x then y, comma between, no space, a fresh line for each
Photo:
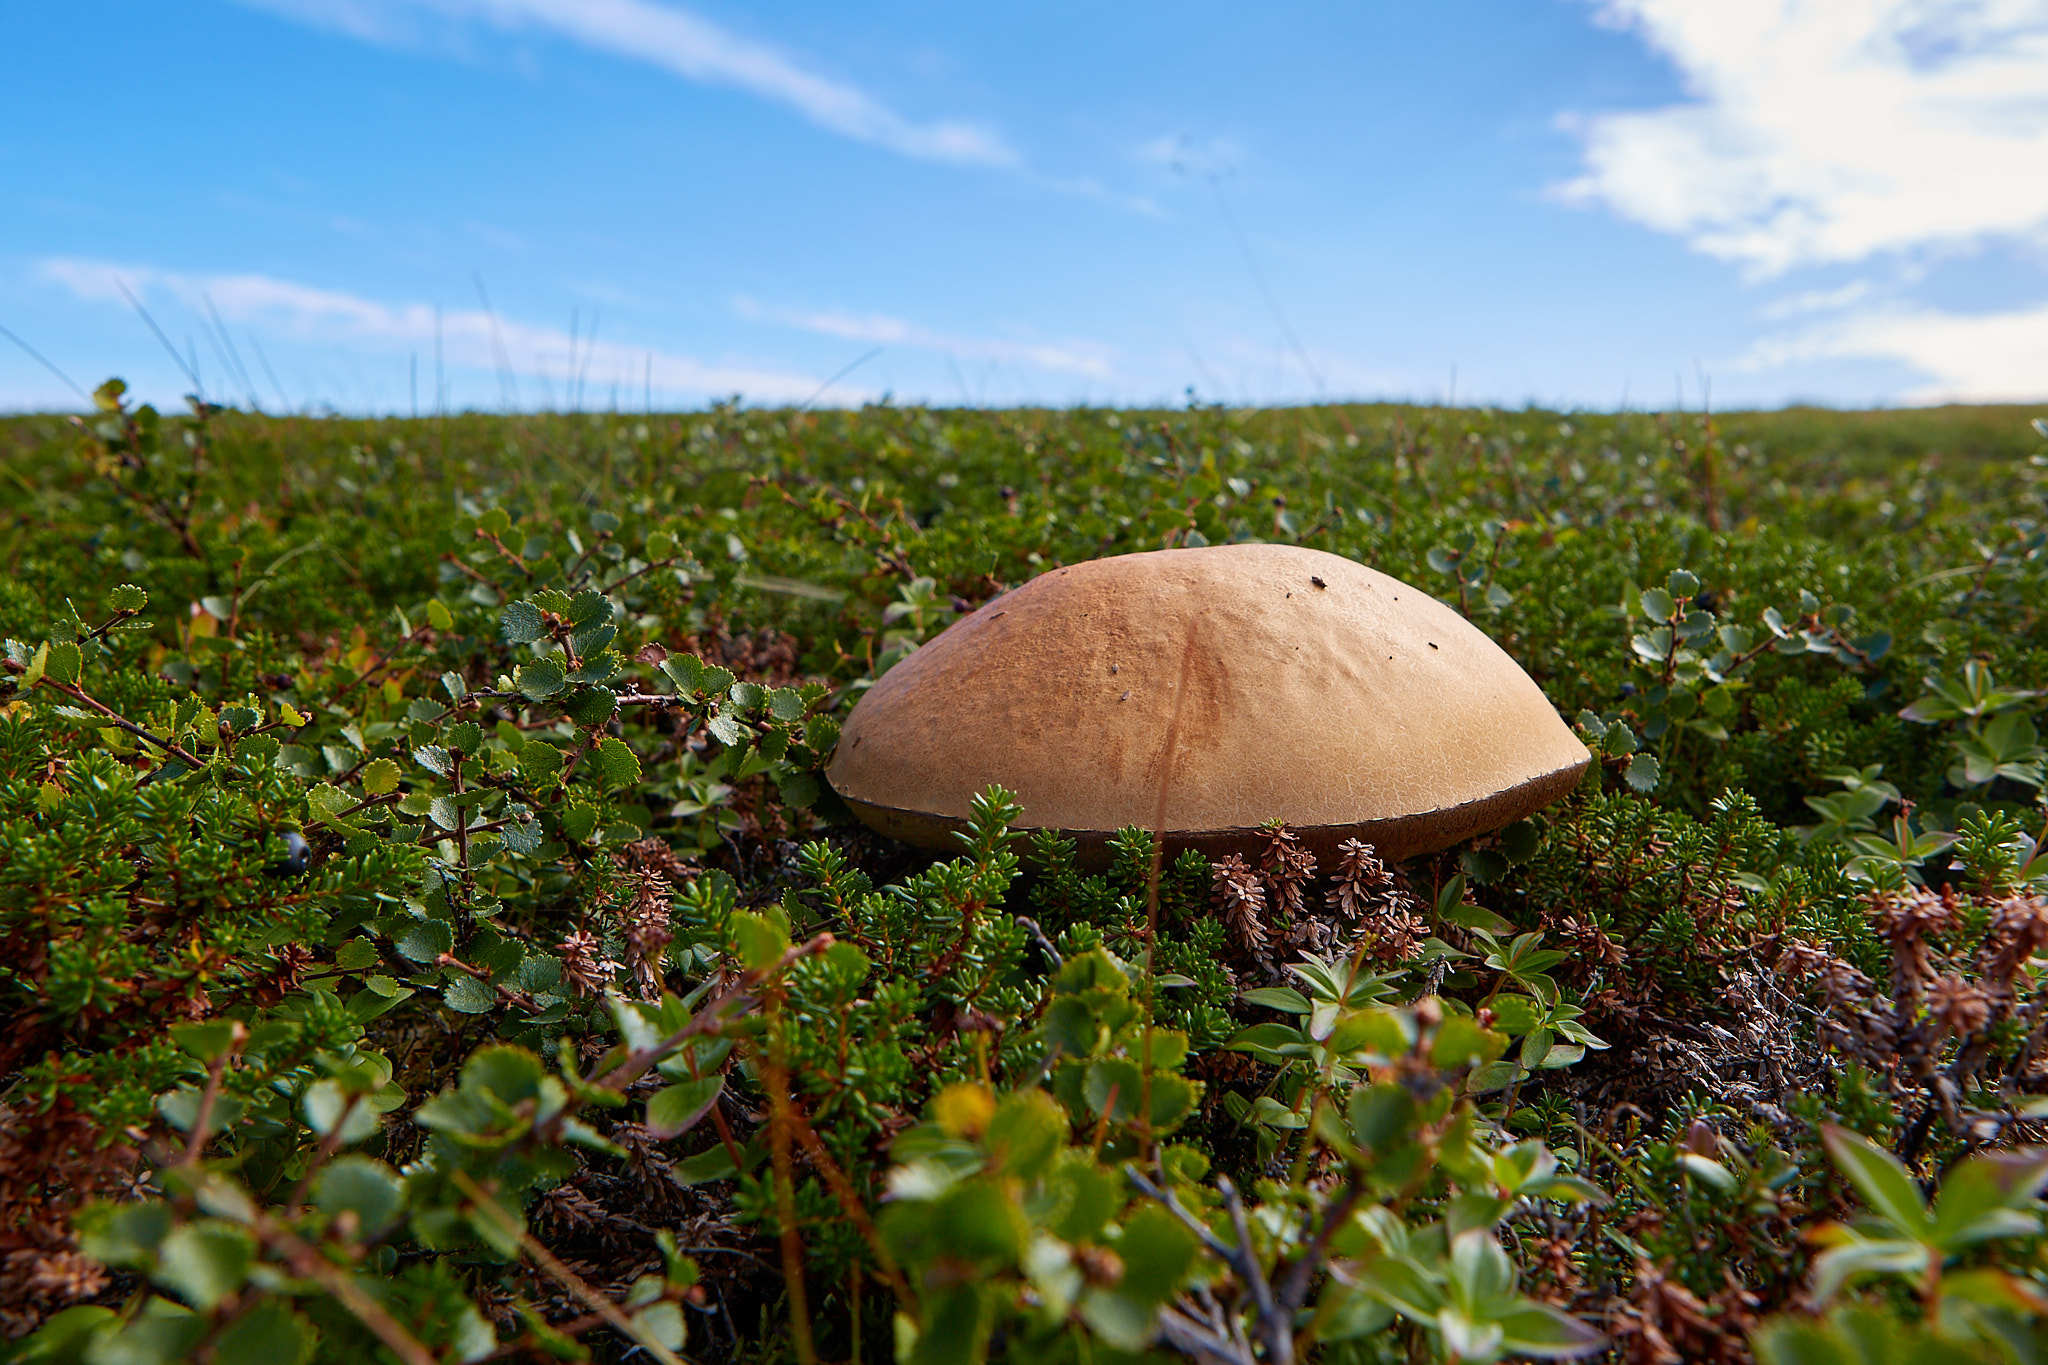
469,337
1068,357
1965,357
1831,131
1088,187
680,42
1817,301
1232,367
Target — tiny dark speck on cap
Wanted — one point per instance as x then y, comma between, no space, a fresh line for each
1318,582
1432,644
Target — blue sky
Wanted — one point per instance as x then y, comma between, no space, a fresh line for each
1581,203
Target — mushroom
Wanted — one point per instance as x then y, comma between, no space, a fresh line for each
1202,692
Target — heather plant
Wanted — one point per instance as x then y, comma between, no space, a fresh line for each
426,935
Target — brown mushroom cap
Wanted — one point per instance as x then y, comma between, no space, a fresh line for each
1278,682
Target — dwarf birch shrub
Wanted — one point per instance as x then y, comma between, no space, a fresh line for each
425,933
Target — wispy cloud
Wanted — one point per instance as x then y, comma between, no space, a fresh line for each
1816,301
1088,187
1830,131
1088,359
683,43
1963,357
470,337
1232,367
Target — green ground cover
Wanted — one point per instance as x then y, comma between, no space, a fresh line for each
425,934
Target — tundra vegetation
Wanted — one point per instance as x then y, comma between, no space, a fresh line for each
425,936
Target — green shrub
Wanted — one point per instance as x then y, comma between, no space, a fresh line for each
425,933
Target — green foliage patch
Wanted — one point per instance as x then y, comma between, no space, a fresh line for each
426,935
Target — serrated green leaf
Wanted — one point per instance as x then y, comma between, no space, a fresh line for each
579,822
424,940
615,764
380,777
521,623
591,707
65,662
539,762
540,679
465,994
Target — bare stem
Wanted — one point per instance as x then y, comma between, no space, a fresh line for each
568,1278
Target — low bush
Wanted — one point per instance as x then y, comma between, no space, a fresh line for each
425,934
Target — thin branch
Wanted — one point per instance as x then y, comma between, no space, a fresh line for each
840,374
776,1081
1217,1246
1191,1338
198,389
310,1264
1032,928
849,1198
195,1142
634,1065
46,363
168,746
1279,1335
569,1279
1294,1288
